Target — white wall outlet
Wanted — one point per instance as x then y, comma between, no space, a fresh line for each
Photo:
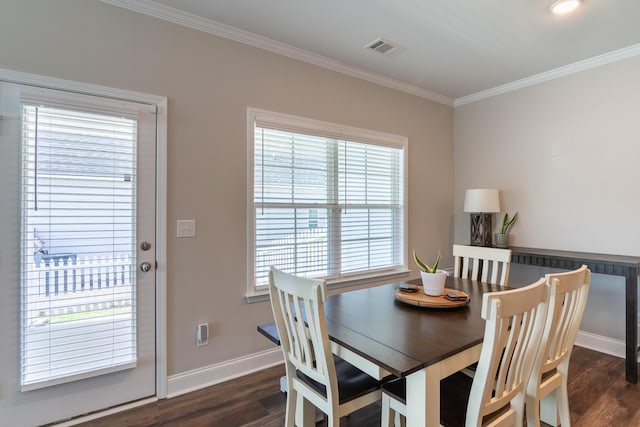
186,228
202,334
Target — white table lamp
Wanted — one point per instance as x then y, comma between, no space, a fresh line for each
481,203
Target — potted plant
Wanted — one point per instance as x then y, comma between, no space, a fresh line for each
432,279
502,238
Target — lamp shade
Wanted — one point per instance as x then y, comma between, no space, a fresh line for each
481,200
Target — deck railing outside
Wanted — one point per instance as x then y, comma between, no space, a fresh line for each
68,283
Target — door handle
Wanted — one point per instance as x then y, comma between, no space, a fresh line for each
145,266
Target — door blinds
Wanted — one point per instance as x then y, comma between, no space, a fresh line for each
78,237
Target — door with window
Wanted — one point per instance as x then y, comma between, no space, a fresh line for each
77,317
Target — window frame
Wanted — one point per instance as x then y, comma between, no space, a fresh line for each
296,124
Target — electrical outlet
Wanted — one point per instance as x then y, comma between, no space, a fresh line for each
202,334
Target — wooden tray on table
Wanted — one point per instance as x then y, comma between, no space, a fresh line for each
420,299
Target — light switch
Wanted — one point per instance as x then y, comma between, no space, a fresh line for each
186,228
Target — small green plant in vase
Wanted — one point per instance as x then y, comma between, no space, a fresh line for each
502,238
432,279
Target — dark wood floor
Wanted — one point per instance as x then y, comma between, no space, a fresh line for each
598,396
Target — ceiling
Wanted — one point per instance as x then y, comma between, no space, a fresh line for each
449,50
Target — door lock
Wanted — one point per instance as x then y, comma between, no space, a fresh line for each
145,246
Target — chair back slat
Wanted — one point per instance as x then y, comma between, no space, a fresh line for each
298,308
489,265
513,330
567,301
457,268
313,373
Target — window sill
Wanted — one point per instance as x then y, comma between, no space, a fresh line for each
341,284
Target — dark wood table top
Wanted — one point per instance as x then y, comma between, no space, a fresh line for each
372,350
424,335
399,337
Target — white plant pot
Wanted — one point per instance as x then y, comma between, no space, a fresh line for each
433,283
502,240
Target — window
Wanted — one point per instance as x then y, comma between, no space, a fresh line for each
325,201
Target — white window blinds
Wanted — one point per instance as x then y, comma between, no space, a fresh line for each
78,237
325,206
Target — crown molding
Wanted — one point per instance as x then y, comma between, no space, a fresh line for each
170,14
179,17
576,67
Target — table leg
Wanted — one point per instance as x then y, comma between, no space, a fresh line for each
423,387
423,398
416,401
631,309
549,409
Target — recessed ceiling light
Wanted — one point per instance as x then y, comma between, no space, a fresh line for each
564,6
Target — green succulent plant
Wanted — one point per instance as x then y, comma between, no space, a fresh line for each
507,223
424,267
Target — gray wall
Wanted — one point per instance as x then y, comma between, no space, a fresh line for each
209,82
565,156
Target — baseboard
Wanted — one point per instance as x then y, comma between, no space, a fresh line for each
196,379
601,343
210,375
214,374
99,414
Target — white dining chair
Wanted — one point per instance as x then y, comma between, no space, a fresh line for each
314,376
513,332
547,388
489,265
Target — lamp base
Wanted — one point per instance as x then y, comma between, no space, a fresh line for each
480,229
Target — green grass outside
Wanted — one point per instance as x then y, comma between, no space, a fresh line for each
90,314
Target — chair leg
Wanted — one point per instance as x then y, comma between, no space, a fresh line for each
290,411
518,404
400,419
563,404
533,411
386,411
332,421
390,417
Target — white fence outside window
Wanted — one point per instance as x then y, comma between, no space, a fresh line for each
308,247
68,283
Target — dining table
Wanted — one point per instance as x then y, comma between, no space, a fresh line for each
382,335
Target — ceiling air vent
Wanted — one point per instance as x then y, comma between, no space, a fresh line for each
383,46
